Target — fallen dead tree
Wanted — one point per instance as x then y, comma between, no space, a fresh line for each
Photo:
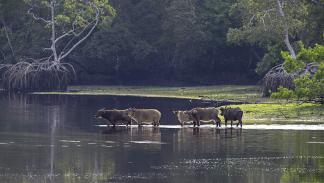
278,76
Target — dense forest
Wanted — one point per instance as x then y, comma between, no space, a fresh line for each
167,42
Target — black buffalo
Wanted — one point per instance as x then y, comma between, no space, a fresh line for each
114,116
232,114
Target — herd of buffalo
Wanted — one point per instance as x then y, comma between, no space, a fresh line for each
195,116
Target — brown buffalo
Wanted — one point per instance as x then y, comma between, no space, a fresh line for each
114,116
204,114
232,114
183,117
145,116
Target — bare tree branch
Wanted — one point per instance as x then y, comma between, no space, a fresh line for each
72,32
3,55
53,47
86,36
8,38
64,35
37,17
264,13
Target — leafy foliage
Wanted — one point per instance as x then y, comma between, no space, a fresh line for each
161,42
69,23
270,59
283,93
167,42
309,84
261,22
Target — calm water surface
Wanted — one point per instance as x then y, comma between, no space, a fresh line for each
56,139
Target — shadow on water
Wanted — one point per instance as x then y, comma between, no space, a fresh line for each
56,139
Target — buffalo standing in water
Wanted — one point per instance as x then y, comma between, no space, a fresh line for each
204,114
114,116
145,116
183,117
232,114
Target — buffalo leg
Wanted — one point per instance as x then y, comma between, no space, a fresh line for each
239,123
157,123
231,123
139,124
219,121
216,123
194,123
225,122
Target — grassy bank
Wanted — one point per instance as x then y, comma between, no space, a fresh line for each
263,110
283,113
220,92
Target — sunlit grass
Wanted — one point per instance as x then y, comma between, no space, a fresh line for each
289,112
220,92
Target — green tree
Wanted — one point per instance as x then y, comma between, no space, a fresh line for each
264,22
314,28
69,24
308,68
182,33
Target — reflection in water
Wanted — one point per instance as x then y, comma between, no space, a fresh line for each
55,139
195,131
55,118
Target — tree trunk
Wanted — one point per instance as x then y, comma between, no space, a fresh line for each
286,32
53,47
287,42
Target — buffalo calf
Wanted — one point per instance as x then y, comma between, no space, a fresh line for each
183,117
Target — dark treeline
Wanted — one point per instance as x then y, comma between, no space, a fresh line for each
163,42
168,41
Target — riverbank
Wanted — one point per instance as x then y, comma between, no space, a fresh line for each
259,110
219,92
283,113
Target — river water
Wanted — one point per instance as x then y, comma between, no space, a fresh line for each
52,138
